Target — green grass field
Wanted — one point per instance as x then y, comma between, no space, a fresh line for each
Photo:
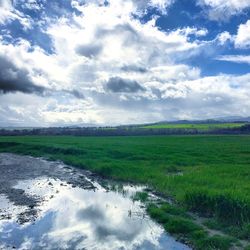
203,126
209,175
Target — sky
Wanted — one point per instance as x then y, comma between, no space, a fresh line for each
110,62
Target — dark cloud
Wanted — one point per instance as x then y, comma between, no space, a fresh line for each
134,68
14,79
117,84
77,94
89,50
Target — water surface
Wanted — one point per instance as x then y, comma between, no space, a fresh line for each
59,214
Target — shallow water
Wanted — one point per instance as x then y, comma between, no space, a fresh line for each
70,217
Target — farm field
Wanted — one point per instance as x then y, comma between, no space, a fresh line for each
202,126
206,175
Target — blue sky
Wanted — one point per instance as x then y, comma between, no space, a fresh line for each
123,61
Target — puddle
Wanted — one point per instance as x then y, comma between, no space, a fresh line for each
68,216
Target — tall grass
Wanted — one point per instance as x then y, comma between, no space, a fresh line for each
228,209
177,223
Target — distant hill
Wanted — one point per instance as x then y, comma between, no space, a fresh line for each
231,119
224,125
234,119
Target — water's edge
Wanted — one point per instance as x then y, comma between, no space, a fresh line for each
49,205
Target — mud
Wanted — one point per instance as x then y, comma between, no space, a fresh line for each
16,168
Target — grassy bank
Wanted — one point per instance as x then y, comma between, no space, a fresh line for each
209,175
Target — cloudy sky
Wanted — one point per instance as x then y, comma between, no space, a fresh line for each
123,61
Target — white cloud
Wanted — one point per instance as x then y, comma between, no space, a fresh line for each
242,39
98,44
106,44
161,5
31,4
8,13
222,10
235,58
193,99
225,37
131,6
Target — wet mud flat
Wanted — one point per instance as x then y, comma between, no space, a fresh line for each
49,205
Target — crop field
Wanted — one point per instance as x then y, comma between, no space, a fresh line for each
207,175
202,126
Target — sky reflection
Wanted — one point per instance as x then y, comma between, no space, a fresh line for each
74,218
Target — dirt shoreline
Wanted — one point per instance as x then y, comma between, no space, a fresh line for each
26,169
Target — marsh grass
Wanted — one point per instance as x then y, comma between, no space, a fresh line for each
140,196
237,232
215,180
176,222
225,207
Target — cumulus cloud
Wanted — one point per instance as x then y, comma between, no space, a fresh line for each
221,10
5,11
8,13
28,69
242,39
134,6
105,41
225,37
200,98
108,67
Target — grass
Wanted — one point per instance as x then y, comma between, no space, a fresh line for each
140,196
202,126
214,180
175,221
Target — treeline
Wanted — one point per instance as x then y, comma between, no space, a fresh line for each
121,131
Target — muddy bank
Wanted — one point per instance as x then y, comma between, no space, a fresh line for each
15,168
48,205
